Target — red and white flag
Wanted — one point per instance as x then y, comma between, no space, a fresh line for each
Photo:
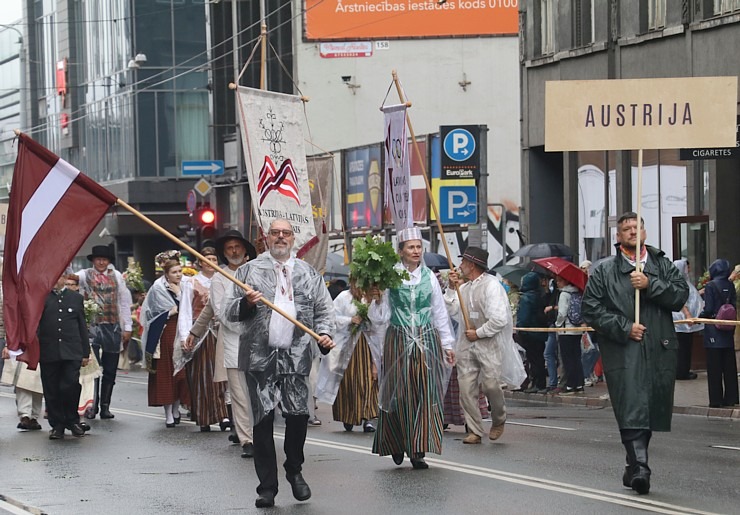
53,209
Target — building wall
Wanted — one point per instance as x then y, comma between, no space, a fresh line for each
693,42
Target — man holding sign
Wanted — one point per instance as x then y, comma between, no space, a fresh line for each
639,357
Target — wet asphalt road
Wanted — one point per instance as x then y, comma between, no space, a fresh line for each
550,460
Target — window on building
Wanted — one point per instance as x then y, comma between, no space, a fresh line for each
726,6
547,27
656,14
583,22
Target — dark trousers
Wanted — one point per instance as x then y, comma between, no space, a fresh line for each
61,382
265,457
722,377
570,353
108,361
685,341
536,359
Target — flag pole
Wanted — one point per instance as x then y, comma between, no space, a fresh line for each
234,280
402,97
638,263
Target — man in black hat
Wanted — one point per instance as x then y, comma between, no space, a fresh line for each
234,250
480,346
112,325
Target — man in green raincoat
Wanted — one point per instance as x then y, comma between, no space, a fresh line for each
639,359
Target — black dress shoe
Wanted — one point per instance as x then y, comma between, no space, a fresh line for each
301,491
177,421
348,427
56,434
76,430
247,450
85,426
418,462
169,425
397,458
265,500
205,429
234,438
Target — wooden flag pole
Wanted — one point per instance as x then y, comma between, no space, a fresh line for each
402,97
638,263
234,280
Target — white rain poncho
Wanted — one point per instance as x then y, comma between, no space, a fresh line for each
335,364
695,304
278,375
158,300
180,357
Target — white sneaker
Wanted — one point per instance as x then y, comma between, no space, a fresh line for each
588,382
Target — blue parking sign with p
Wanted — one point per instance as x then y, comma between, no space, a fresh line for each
458,204
459,144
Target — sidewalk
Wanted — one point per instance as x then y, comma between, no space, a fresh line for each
690,398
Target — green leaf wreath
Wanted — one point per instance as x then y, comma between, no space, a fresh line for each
373,264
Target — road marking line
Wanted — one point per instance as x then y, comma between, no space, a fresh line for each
541,425
534,482
545,484
17,508
725,447
131,382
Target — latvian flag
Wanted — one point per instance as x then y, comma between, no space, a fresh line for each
284,181
53,209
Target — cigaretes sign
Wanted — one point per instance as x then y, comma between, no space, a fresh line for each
640,113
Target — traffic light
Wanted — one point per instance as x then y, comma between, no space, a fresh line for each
187,233
205,225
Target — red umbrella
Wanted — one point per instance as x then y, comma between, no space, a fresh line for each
564,269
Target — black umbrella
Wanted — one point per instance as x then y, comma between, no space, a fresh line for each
437,261
542,250
512,273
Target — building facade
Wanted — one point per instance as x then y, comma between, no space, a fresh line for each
689,200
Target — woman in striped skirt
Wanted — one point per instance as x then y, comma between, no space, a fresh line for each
208,401
417,344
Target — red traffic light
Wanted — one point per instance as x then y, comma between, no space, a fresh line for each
207,216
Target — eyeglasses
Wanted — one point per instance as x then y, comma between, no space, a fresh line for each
281,232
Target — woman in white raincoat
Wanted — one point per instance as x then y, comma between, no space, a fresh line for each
348,376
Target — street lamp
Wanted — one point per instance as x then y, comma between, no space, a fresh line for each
137,61
22,89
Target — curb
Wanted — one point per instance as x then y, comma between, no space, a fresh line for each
595,402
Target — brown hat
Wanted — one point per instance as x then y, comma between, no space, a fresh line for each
477,256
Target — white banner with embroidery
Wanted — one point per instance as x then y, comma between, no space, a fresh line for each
272,139
397,169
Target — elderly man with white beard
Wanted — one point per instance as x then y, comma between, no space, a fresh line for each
276,356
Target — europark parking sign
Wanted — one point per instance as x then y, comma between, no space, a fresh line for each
460,151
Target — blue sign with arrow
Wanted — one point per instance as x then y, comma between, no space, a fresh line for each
203,167
458,204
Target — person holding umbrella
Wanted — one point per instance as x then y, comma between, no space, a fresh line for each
571,281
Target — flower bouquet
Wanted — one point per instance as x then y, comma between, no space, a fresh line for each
92,310
189,271
703,280
134,277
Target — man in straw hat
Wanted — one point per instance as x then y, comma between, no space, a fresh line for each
639,358
112,326
275,355
417,344
480,347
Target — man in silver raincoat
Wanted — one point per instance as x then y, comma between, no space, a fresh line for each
276,355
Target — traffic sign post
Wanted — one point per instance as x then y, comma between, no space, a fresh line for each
202,168
458,204
460,151
190,202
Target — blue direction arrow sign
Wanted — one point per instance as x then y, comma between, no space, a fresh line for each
202,167
458,204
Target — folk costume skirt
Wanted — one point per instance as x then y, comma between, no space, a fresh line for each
357,397
411,393
453,412
208,402
164,388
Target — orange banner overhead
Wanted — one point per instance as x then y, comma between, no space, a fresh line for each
373,19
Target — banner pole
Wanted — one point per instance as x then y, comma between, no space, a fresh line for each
197,254
402,97
638,264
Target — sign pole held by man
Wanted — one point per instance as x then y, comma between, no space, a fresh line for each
402,98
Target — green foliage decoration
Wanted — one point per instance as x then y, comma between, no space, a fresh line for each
373,264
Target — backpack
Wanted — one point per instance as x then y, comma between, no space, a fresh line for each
726,312
574,309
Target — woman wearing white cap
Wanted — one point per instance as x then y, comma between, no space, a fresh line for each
417,344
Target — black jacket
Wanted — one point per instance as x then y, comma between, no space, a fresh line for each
62,330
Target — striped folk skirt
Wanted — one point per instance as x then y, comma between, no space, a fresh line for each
357,397
411,393
453,412
207,399
164,388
